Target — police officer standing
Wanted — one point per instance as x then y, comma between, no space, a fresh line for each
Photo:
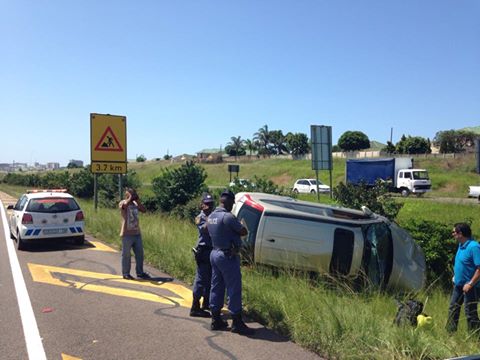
225,231
203,276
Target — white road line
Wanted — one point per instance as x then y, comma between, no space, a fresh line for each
30,329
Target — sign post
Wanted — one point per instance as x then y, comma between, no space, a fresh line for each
108,146
321,137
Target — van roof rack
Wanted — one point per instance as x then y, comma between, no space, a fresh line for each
33,191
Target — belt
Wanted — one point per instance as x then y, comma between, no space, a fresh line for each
221,249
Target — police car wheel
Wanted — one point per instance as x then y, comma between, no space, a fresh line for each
21,245
79,241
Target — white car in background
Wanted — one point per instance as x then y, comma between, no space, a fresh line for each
474,191
46,214
310,186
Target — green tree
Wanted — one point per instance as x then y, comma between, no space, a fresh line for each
262,137
176,187
278,142
413,145
234,146
297,143
251,146
390,148
353,140
452,141
141,158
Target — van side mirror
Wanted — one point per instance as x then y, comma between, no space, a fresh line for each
10,207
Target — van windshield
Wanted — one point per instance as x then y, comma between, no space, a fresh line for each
378,254
52,205
250,218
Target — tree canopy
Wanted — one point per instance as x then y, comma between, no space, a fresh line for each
353,140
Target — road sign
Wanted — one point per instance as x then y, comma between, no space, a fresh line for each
108,143
321,137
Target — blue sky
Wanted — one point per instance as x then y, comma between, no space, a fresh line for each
190,74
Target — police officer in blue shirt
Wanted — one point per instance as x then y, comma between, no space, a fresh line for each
225,231
203,276
466,278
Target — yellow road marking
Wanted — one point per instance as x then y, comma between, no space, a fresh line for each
69,357
100,246
44,274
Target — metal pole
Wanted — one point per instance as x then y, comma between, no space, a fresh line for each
120,186
331,185
95,191
318,193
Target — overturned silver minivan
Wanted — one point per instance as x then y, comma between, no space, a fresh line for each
285,232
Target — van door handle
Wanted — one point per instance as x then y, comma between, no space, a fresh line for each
271,240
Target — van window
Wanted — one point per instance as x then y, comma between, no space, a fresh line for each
378,254
342,253
52,205
420,175
408,175
250,217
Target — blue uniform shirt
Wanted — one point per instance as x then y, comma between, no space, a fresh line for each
467,260
224,229
203,235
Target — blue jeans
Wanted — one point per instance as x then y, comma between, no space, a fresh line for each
458,298
203,276
226,274
129,242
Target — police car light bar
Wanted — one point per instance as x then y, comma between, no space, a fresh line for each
32,191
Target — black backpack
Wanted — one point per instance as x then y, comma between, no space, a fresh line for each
407,312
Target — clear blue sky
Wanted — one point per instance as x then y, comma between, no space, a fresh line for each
190,74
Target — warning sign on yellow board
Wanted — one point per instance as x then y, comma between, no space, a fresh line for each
108,143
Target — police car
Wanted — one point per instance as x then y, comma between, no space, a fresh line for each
46,214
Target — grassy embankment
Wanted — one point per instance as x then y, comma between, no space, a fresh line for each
333,322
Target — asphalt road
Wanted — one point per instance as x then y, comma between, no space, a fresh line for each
81,308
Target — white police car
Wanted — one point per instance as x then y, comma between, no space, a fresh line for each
46,214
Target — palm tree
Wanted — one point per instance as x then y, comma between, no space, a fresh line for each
236,143
250,145
263,138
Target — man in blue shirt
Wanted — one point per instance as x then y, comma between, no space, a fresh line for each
203,276
225,231
466,277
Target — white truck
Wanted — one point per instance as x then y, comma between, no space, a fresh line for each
398,172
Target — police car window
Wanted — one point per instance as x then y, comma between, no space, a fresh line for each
52,205
21,203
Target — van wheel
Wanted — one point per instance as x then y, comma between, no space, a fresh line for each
405,192
296,192
21,244
312,191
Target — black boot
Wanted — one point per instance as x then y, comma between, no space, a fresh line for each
205,304
195,311
217,322
239,327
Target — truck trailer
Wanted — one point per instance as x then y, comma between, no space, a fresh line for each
399,173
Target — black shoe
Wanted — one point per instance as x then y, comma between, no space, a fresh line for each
128,277
239,327
199,313
144,275
217,322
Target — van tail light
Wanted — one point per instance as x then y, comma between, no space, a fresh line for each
79,216
248,201
27,219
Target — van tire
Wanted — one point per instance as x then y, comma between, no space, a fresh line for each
296,192
405,192
312,191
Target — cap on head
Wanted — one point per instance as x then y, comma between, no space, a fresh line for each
207,199
227,194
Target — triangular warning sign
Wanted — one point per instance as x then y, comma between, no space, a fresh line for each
108,142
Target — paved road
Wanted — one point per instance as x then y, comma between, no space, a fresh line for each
82,309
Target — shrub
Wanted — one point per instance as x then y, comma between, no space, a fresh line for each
376,198
178,186
439,248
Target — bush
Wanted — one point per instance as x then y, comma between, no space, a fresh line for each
178,186
376,198
439,248
81,184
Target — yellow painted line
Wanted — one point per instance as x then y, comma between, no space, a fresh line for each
44,274
100,246
69,357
